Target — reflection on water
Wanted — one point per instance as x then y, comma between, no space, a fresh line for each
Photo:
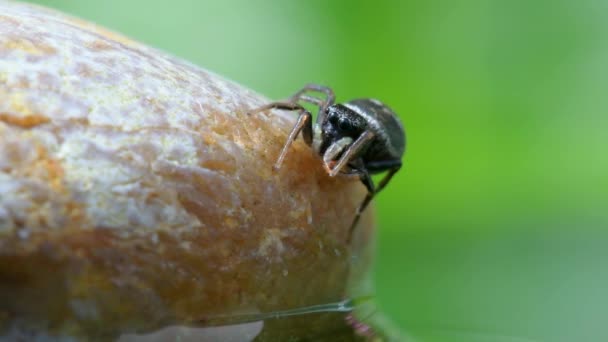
259,326
230,333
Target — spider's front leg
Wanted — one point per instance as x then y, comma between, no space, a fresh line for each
303,124
353,149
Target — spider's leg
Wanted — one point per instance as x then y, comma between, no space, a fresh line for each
303,124
371,192
351,152
304,94
333,151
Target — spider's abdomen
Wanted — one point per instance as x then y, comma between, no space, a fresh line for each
384,123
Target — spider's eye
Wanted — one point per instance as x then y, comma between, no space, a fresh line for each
333,119
345,125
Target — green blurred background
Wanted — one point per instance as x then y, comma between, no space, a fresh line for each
497,227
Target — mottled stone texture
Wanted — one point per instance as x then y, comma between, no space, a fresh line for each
136,191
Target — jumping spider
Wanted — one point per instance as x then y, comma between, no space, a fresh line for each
360,137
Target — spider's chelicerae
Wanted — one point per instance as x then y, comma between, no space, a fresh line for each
360,137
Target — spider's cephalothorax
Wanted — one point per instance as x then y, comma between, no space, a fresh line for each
360,137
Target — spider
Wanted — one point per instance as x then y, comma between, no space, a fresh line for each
360,137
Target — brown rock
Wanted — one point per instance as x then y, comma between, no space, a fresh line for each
136,192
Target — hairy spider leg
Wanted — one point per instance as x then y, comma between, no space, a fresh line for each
330,97
350,152
371,192
303,124
301,95
333,151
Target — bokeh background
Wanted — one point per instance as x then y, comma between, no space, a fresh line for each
497,227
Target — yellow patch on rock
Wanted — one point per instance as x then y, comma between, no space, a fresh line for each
24,121
30,47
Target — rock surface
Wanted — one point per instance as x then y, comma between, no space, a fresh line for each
136,191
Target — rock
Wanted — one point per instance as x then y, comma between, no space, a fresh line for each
136,192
